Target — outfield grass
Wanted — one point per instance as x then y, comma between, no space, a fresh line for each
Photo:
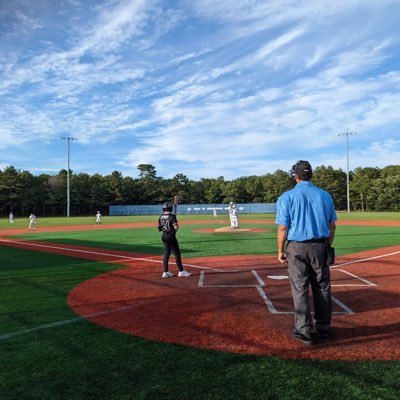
75,359
72,221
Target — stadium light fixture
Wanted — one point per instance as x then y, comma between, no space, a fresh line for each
68,139
347,134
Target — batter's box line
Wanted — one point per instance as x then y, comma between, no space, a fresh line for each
367,283
267,301
258,278
273,310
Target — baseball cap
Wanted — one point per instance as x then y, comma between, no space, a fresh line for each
302,169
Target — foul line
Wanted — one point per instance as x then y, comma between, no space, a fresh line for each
365,259
63,322
101,253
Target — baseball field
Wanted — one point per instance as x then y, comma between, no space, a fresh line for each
85,314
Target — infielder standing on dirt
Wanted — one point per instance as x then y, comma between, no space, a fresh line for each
306,219
168,225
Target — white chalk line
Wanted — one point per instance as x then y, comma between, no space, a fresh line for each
78,319
117,256
365,259
367,283
273,310
63,322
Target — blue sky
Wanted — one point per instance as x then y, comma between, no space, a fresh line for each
199,87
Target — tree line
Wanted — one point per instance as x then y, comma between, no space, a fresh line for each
371,189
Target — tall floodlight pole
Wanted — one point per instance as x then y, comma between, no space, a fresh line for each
347,134
68,139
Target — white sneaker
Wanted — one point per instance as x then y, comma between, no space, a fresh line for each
184,274
167,275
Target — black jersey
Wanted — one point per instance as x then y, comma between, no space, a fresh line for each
166,224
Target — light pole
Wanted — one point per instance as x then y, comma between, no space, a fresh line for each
68,139
347,134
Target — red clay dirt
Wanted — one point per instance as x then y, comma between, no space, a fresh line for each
239,303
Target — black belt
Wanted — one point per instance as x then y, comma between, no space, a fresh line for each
323,240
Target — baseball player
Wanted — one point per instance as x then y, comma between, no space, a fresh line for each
98,218
32,222
234,217
11,216
230,207
168,225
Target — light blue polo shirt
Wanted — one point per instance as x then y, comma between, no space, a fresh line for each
307,211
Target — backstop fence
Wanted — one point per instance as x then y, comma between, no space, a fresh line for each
191,209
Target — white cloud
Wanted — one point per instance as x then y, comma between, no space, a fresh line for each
261,83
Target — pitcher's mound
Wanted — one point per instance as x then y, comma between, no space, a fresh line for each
228,229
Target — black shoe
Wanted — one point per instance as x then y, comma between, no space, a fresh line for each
307,339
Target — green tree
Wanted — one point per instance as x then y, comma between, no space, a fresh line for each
57,185
10,188
334,181
254,189
129,190
98,194
364,197
147,171
80,193
235,191
33,196
214,190
180,185
276,184
113,183
387,189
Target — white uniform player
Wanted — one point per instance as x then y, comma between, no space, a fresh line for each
98,218
11,218
234,217
230,208
32,222
229,212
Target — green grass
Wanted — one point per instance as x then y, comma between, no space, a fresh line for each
72,221
369,216
79,360
349,239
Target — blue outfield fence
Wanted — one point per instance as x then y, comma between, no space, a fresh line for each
192,209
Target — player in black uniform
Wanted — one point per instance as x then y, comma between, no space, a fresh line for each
168,225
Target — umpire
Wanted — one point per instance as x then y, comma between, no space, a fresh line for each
306,219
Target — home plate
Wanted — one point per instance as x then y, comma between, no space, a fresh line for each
277,277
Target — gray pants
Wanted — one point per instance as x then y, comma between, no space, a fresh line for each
307,266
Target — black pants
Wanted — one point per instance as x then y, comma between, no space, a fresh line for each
308,267
171,244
